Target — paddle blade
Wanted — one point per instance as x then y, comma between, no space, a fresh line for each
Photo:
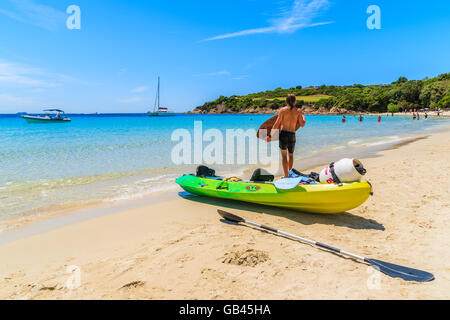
229,216
396,271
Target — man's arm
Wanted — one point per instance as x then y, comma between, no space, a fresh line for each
300,120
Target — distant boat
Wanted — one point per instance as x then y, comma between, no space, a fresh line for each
50,115
159,111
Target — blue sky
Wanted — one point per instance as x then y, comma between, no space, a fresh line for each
203,49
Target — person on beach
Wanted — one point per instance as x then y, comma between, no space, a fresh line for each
379,118
426,115
290,119
418,116
414,116
360,118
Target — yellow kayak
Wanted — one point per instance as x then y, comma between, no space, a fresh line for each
315,198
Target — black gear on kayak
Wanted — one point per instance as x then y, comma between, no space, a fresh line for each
313,175
204,171
261,175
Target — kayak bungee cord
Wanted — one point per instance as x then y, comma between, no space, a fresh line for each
392,270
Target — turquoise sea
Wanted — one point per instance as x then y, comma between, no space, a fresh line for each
110,157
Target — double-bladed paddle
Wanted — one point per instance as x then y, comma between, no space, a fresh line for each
389,269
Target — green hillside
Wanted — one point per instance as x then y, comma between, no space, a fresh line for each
306,99
403,93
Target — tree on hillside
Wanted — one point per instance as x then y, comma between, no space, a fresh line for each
444,103
392,107
433,92
400,80
407,91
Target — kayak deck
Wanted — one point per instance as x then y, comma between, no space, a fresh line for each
314,198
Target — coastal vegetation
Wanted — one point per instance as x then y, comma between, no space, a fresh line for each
399,95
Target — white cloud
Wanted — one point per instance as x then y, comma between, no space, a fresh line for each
17,75
241,77
37,14
213,74
26,86
122,71
136,98
298,17
11,101
222,73
131,100
11,15
140,89
14,74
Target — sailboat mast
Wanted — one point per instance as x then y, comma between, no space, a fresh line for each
156,99
158,94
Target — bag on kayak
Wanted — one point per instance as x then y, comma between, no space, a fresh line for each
345,170
204,171
313,175
261,175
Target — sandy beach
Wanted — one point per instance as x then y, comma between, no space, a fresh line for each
178,248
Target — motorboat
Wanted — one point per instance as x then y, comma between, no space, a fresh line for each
50,115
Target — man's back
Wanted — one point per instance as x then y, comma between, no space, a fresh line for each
290,119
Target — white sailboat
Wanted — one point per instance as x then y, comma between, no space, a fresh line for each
159,111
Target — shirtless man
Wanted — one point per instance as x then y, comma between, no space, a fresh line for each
290,119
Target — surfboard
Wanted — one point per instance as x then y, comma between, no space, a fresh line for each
266,127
